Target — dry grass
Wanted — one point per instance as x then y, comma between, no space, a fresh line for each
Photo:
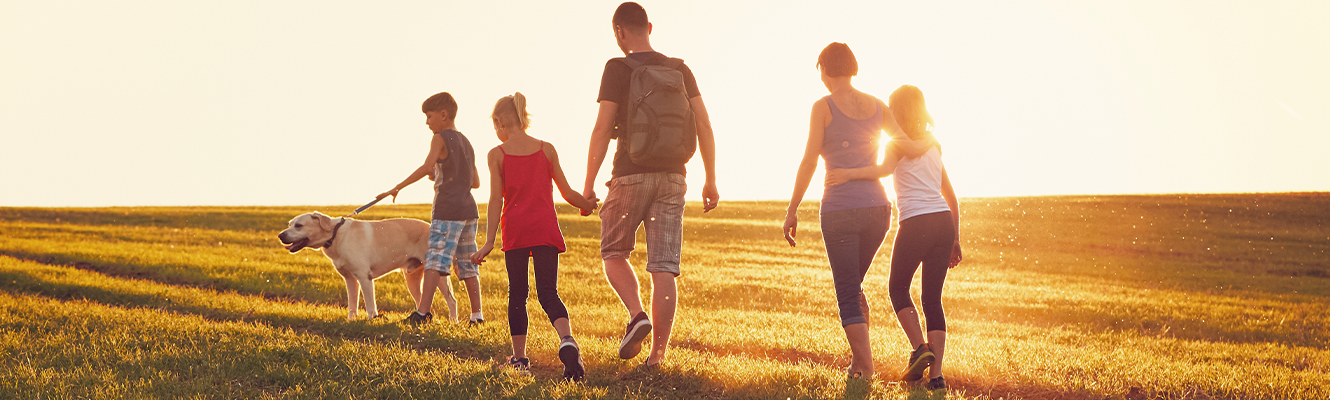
1216,296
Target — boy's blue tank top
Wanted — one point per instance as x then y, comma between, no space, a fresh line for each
452,179
852,143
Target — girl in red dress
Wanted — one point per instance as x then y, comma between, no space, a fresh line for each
521,200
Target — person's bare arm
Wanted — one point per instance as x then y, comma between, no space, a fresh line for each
600,145
807,166
475,177
706,144
494,211
955,206
437,148
561,182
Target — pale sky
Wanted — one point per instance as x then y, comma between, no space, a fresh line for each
318,103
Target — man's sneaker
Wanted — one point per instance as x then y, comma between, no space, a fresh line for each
520,364
638,330
936,384
416,318
920,360
571,356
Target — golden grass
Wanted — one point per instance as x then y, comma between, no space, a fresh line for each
1220,296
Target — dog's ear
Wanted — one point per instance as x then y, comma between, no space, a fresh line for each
324,221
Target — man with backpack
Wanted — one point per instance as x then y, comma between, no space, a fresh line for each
649,103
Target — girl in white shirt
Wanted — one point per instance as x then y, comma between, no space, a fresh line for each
928,235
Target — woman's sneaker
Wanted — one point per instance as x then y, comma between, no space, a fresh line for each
416,318
638,330
936,384
522,365
573,369
920,360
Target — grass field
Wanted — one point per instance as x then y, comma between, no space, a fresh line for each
1123,297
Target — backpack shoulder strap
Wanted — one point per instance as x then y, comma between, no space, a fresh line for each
631,63
672,63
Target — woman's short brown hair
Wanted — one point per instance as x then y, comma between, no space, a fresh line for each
837,60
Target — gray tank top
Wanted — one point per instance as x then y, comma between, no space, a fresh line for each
452,179
852,143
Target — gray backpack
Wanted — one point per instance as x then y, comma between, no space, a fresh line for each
660,128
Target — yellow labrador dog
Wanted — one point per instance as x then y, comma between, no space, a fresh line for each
362,251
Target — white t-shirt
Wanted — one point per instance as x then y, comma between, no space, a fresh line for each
919,185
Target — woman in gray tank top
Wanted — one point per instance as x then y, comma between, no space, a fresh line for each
845,130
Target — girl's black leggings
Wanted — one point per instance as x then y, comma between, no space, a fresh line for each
546,260
926,239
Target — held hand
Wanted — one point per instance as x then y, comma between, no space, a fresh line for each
710,197
590,195
392,193
837,176
955,254
791,227
589,206
479,256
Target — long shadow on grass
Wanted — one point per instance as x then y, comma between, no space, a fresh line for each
1302,328
170,275
27,280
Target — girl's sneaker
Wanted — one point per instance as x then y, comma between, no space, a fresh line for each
571,355
920,360
936,384
520,364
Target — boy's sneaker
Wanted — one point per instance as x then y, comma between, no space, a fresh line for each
416,318
520,364
920,360
638,330
936,384
571,356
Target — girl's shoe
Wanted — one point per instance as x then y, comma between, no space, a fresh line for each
920,360
520,364
936,384
571,355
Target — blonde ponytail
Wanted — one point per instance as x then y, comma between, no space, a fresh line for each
512,109
519,105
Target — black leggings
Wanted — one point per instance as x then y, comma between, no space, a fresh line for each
929,239
546,260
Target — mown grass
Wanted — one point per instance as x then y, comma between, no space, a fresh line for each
1196,296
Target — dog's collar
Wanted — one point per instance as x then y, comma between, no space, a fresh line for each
328,244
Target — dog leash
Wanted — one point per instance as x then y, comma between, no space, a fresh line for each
363,208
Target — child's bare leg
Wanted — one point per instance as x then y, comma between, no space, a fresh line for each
413,280
519,346
909,319
937,341
562,327
473,292
429,283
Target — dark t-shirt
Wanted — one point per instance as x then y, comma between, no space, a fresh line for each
614,87
452,179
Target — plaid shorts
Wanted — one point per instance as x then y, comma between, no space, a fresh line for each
652,199
452,243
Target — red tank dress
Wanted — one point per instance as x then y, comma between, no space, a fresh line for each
528,202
